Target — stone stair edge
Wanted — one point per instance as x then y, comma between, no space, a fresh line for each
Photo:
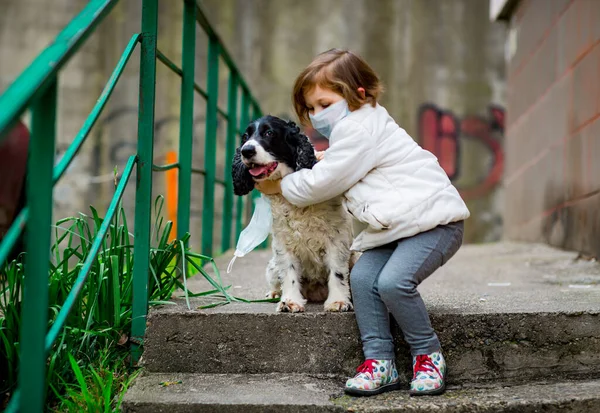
323,393
165,311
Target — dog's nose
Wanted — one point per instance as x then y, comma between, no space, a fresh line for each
248,151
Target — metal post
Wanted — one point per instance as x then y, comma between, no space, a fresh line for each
229,152
256,113
210,151
250,204
32,371
244,119
186,121
143,195
255,194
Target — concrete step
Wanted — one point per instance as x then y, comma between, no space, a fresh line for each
252,338
281,393
505,312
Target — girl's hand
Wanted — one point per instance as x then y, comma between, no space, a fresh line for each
320,155
269,187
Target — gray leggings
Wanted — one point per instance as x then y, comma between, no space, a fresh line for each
385,280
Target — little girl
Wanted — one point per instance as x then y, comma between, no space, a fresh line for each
411,213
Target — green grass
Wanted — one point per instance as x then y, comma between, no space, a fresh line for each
88,366
99,386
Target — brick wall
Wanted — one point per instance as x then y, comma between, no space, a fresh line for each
552,175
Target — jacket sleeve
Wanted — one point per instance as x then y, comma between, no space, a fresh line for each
349,159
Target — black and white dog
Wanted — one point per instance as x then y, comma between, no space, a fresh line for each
311,245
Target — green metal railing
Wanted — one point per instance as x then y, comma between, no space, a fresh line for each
36,89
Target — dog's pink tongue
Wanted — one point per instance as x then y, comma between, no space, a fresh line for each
259,170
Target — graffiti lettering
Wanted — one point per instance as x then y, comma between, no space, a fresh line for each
122,147
441,132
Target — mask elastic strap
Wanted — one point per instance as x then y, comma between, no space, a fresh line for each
230,266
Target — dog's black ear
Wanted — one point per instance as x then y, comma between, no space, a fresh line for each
242,180
304,151
293,129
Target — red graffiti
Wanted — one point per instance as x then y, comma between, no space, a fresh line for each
440,132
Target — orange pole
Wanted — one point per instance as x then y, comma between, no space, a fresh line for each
171,193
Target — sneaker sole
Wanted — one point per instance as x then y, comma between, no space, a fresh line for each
379,390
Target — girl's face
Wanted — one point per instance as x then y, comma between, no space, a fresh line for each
318,99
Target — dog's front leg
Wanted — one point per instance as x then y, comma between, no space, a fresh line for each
291,298
338,283
273,277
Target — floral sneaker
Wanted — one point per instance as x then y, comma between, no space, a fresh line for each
429,374
373,377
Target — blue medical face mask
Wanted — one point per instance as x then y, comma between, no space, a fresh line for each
256,232
325,120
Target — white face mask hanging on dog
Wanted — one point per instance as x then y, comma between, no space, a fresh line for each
256,232
325,120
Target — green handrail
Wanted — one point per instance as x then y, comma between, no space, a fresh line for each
34,316
186,121
36,89
230,148
210,145
143,193
244,119
216,49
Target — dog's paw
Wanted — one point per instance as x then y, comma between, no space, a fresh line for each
273,294
338,306
289,306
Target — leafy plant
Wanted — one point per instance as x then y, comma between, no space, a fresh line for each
100,319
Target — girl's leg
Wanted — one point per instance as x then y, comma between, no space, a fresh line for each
378,373
413,260
371,313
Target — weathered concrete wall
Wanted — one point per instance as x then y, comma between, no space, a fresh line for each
553,142
426,51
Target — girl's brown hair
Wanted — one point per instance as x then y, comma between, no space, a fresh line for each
341,71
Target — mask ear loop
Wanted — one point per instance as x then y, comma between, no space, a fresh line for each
230,266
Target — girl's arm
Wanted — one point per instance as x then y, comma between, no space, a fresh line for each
349,158
269,187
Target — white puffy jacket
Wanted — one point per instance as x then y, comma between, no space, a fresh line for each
389,182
